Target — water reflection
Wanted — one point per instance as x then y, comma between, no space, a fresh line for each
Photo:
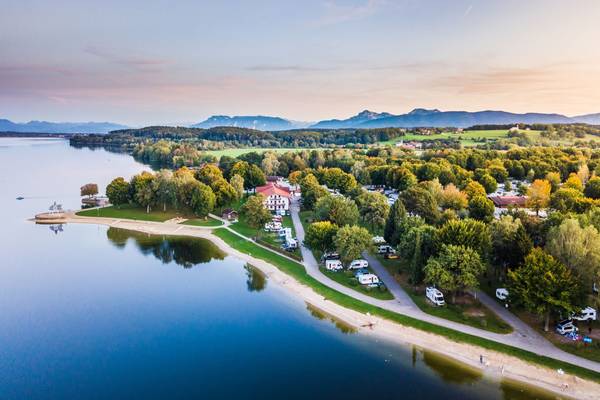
256,280
56,228
184,251
323,315
449,370
519,391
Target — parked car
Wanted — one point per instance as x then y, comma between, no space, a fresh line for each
566,327
587,314
390,256
435,296
502,293
357,264
385,249
333,265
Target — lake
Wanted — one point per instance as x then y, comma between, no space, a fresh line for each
90,312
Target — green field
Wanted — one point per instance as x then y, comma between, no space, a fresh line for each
202,222
467,138
297,271
131,212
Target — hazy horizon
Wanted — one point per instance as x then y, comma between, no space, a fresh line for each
142,64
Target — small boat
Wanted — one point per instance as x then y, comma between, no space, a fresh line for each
20,198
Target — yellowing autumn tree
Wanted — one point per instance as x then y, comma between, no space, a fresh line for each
539,195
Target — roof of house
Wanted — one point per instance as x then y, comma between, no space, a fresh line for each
505,201
228,211
271,189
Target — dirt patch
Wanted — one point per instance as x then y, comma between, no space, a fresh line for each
474,312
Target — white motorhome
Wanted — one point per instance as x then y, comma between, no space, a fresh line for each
333,265
368,279
378,240
587,314
565,327
435,296
285,232
502,293
358,264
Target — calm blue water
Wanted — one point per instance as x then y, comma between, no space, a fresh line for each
92,313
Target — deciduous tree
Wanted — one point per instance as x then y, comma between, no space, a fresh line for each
351,241
544,285
320,235
118,192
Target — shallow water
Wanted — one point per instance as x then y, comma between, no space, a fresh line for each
97,312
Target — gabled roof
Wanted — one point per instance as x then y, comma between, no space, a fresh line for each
271,189
505,201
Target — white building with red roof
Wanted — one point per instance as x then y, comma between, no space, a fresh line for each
277,198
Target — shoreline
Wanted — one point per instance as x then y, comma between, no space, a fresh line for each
496,367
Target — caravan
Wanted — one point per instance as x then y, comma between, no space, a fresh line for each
368,279
587,314
435,296
333,265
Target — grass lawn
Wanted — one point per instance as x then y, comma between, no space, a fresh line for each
467,138
297,271
467,311
202,222
131,212
347,279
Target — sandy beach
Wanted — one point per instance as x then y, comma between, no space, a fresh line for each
496,366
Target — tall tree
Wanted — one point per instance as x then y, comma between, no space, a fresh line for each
118,192
203,199
225,193
481,208
592,188
89,190
510,242
578,248
238,184
164,188
320,236
419,201
466,232
544,285
311,191
209,173
255,212
351,241
455,268
392,231
143,187
538,195
337,209
453,198
374,209
270,163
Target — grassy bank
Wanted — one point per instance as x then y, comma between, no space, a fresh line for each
202,222
131,212
347,279
297,271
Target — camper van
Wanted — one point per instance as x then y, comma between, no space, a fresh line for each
435,296
587,314
385,249
333,265
368,279
285,232
565,327
502,293
358,264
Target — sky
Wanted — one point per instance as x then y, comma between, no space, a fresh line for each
178,62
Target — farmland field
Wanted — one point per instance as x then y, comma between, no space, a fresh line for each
468,138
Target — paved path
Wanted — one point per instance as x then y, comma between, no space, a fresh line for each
522,337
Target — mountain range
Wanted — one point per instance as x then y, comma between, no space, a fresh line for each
58,127
419,117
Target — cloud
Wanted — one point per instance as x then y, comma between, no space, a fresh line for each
133,62
337,13
468,10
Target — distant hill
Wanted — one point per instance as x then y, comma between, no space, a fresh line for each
352,122
592,119
420,117
258,122
58,127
